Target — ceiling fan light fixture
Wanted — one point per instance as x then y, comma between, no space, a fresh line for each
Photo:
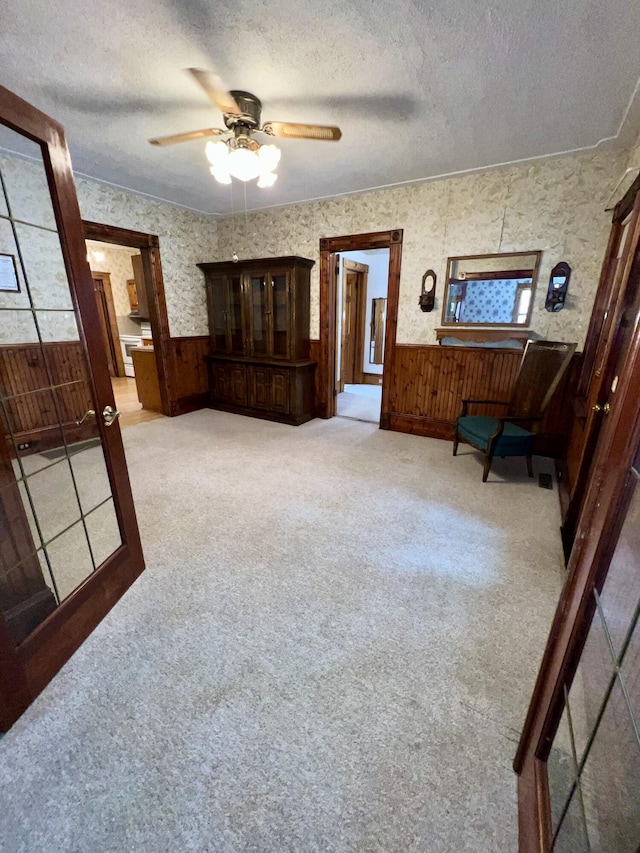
267,179
228,159
221,174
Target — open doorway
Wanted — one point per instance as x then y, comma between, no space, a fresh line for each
331,250
362,286
120,289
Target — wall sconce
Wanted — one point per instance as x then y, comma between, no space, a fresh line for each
558,285
427,298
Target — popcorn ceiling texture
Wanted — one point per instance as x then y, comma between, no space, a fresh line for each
556,206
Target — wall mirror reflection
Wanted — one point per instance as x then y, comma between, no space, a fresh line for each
490,290
378,323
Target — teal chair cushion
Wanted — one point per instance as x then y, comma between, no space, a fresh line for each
514,441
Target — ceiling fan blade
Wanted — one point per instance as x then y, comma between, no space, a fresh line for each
323,132
186,137
216,90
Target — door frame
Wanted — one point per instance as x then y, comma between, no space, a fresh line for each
362,273
27,668
149,246
326,377
112,322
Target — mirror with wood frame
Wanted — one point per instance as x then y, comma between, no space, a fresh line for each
490,290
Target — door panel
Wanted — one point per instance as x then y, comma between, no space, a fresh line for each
349,311
236,320
69,543
280,390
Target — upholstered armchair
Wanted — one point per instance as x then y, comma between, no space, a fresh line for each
513,434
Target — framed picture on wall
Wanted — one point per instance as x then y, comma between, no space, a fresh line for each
9,274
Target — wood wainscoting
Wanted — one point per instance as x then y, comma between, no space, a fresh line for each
429,383
189,384
27,371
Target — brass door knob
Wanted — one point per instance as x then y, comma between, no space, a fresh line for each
110,415
606,408
88,414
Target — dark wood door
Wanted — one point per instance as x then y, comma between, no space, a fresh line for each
111,343
69,541
610,333
349,327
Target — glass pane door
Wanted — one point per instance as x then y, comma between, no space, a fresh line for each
56,500
595,801
236,325
258,319
280,308
218,310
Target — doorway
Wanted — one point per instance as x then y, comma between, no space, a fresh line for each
361,316
327,377
125,282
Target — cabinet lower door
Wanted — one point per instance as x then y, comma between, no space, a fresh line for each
279,386
259,387
229,384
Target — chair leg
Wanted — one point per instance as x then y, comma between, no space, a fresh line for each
488,459
456,441
530,465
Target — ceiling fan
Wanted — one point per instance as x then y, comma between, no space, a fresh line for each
237,154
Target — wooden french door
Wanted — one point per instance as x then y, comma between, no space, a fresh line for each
69,541
579,755
608,340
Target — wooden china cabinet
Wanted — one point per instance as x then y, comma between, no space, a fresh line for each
259,329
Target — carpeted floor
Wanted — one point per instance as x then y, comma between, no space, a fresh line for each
360,402
332,649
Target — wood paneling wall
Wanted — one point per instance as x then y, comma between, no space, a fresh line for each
26,374
188,382
430,382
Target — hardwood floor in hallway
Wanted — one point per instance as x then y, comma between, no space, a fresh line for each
127,403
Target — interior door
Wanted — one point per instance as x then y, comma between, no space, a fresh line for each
349,327
69,542
108,324
613,322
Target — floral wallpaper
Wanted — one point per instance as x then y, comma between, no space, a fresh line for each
555,205
186,238
489,301
116,260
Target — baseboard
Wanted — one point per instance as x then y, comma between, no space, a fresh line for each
191,403
372,379
418,425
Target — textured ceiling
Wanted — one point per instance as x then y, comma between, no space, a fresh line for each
419,88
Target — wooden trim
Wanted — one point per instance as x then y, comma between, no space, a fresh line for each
485,335
149,245
372,378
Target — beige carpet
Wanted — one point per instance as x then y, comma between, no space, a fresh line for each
332,649
360,402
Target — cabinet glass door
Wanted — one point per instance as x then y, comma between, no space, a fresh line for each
280,309
259,315
218,312
235,324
